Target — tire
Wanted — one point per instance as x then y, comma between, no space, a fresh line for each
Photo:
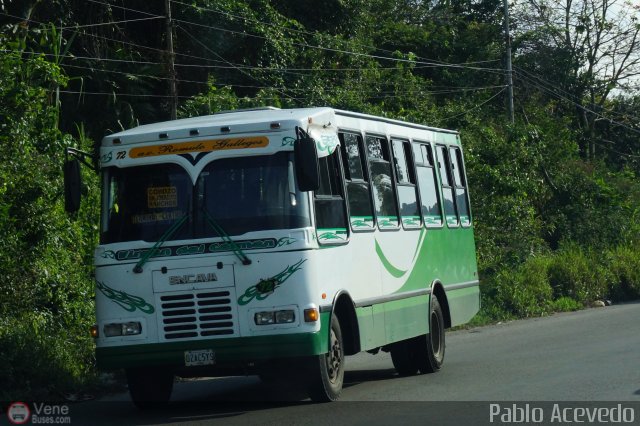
149,387
404,357
432,346
327,370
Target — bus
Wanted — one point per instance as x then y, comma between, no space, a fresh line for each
277,242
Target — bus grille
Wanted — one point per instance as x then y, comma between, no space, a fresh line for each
192,315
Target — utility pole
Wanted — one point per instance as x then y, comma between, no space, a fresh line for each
509,74
173,88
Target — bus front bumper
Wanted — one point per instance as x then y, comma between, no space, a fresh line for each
231,351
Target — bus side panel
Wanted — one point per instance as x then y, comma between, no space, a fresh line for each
406,318
371,321
464,304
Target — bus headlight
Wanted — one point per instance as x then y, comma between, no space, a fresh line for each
286,316
264,318
122,329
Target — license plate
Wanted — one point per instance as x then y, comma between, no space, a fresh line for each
202,357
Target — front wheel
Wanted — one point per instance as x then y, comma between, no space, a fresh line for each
149,387
327,370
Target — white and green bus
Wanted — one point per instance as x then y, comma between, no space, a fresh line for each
272,241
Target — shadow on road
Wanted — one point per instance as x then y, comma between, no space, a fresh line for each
223,399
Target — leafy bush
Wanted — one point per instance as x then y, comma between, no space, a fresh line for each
577,274
565,304
624,267
521,292
43,358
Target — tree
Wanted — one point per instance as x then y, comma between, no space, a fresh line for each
589,49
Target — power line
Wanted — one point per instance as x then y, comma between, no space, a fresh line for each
314,34
477,106
124,8
555,94
431,90
347,52
560,90
126,21
211,51
79,26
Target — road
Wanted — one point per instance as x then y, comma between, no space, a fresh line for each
590,355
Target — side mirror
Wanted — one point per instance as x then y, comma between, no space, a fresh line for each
72,185
307,170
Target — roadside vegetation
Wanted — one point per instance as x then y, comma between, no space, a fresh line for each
555,194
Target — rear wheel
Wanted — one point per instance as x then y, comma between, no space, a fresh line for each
149,387
432,347
423,353
405,357
327,370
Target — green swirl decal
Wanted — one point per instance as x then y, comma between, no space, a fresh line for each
386,223
126,301
327,143
330,236
106,157
266,287
285,241
359,223
109,254
287,141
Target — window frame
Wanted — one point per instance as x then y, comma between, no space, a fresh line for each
436,182
450,185
465,183
342,197
364,165
386,145
407,150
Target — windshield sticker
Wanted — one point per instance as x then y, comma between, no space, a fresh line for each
156,217
162,197
127,301
184,250
266,287
200,146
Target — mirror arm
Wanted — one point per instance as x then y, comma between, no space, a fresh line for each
84,157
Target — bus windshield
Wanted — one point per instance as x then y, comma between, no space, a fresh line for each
241,194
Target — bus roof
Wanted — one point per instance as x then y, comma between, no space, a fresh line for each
249,120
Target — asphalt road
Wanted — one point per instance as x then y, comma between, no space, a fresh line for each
589,358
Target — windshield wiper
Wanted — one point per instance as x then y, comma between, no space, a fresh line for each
164,237
226,238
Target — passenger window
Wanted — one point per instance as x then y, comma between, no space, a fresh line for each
427,183
462,198
331,216
406,182
358,190
381,181
444,164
